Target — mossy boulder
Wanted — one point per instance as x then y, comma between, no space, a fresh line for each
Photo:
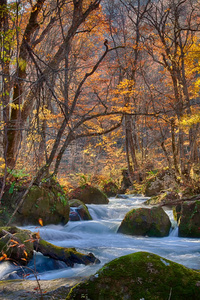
189,221
137,276
16,244
81,211
47,202
146,222
89,195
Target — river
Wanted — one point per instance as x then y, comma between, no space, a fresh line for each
100,237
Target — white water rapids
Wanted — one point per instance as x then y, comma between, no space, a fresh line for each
100,237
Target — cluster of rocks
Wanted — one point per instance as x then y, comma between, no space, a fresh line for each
139,275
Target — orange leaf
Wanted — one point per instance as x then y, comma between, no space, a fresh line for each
37,235
13,241
23,259
40,221
26,254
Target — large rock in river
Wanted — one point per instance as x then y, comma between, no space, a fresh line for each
138,276
46,202
189,220
89,195
145,221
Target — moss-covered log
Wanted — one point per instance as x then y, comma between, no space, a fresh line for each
17,245
68,255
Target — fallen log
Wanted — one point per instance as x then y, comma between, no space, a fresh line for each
68,255
17,245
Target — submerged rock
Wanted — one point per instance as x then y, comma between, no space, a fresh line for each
78,211
145,221
89,195
189,220
140,275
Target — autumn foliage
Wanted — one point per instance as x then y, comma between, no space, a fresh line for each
91,87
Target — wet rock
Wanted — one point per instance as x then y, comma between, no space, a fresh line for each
89,195
189,221
122,196
74,216
145,221
140,275
29,289
78,211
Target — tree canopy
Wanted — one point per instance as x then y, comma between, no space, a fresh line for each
91,86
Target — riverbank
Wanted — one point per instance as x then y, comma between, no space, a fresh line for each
29,289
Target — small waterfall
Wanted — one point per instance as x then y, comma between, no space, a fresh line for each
174,231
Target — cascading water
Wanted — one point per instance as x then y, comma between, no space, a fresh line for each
100,237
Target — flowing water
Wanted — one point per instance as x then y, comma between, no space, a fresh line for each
100,237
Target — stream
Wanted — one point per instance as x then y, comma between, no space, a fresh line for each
100,237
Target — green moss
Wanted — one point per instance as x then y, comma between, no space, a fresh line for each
47,202
144,221
137,276
19,251
189,222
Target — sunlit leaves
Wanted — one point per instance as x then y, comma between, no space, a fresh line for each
40,221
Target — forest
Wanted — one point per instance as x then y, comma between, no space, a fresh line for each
92,87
